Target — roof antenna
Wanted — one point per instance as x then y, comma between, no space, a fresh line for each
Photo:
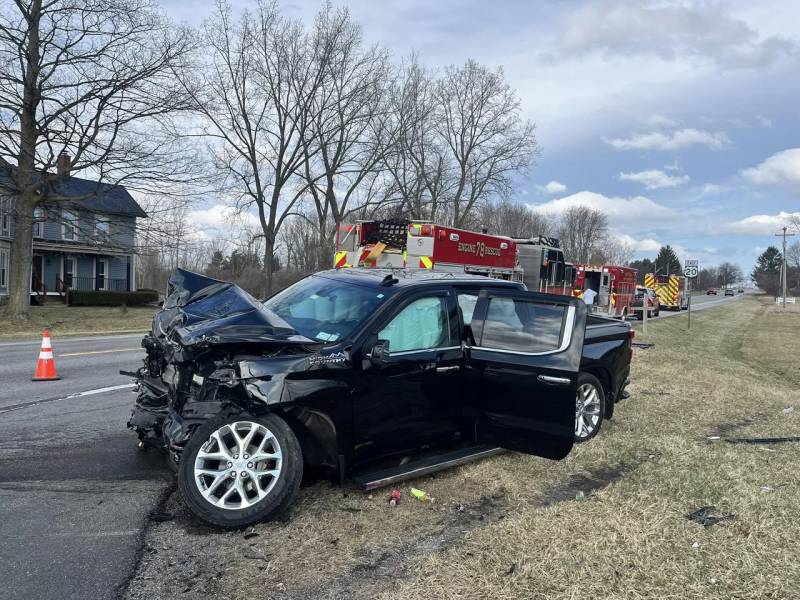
389,279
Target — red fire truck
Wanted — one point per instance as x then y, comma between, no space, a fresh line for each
401,244
537,261
613,285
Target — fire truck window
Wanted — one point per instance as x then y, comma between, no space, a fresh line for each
522,326
467,302
419,326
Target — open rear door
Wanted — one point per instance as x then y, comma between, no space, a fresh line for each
523,364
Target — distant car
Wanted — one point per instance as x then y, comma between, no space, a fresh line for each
741,291
711,292
730,292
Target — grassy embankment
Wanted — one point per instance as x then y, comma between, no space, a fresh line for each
75,320
511,526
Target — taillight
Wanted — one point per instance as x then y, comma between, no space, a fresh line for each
631,334
421,229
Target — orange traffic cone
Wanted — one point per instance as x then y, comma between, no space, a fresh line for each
46,366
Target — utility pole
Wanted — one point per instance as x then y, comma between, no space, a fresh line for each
783,264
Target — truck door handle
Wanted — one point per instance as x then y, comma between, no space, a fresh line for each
447,369
551,379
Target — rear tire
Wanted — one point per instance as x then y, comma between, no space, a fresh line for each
237,470
590,407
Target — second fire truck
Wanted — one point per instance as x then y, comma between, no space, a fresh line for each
670,290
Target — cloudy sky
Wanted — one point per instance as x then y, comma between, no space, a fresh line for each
680,120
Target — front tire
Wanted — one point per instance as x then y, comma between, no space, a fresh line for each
237,470
590,407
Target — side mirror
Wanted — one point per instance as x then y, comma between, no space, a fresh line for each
379,355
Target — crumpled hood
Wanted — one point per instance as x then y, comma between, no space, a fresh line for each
200,309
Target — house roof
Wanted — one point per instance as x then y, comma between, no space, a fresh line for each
92,195
99,197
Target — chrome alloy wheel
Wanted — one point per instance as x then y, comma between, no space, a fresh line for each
238,465
587,410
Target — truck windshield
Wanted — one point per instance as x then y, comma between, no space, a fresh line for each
323,309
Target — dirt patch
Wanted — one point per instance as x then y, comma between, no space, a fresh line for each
584,484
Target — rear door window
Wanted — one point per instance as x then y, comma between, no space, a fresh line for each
521,326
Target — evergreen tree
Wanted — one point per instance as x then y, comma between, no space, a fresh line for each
767,272
667,262
642,266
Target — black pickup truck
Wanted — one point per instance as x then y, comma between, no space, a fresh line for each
366,374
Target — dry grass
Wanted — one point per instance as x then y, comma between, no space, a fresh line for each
72,320
510,527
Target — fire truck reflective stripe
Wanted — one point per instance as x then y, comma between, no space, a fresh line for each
340,259
613,299
425,262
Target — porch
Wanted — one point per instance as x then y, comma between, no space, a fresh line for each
54,272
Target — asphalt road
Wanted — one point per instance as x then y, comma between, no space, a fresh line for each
75,491
700,303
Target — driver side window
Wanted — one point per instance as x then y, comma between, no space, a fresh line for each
421,325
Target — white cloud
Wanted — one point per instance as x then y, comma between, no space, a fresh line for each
221,217
640,245
782,167
708,189
654,179
764,121
761,224
660,121
618,210
680,138
702,33
553,187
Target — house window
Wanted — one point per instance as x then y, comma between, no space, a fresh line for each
101,229
70,219
3,268
38,222
5,216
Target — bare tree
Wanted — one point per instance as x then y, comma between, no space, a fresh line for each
91,78
729,274
255,90
416,162
346,144
488,140
582,230
513,219
612,251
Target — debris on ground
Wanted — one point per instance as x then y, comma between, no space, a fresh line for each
250,533
254,554
421,495
788,410
643,345
704,516
161,516
580,496
696,545
714,438
394,498
769,440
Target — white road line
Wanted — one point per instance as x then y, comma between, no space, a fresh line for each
101,352
112,388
